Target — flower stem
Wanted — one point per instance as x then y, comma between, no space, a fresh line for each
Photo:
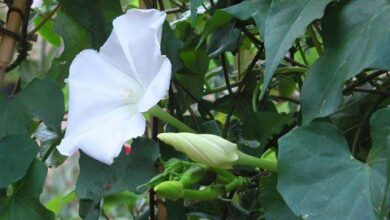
237,183
245,159
208,193
158,112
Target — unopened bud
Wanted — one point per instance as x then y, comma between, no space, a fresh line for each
172,190
211,150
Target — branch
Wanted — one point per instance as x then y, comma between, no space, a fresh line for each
359,82
8,42
43,22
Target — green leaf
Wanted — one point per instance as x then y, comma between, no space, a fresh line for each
42,98
224,39
57,203
46,31
24,203
89,209
257,9
274,205
16,154
82,24
286,21
196,61
318,177
68,29
102,12
13,117
194,7
280,23
97,180
170,46
261,126
354,44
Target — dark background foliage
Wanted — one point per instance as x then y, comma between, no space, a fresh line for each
307,78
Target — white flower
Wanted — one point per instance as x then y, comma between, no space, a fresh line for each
208,149
109,89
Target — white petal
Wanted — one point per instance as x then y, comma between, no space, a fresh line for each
158,88
139,33
136,21
104,142
114,53
101,98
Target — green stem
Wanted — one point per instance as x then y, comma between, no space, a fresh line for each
204,194
237,183
158,112
255,96
316,42
302,53
248,160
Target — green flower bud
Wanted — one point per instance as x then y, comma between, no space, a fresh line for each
172,190
211,150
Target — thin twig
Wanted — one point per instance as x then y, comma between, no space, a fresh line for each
315,40
43,22
188,106
227,80
372,91
200,104
240,89
284,98
302,52
174,10
260,45
359,82
364,121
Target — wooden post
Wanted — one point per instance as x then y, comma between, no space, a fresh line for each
7,44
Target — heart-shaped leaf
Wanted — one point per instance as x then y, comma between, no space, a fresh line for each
319,178
360,40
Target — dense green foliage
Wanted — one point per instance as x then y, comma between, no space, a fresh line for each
307,79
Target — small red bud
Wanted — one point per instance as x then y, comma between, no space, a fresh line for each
127,148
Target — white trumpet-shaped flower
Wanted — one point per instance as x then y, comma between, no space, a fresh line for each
109,89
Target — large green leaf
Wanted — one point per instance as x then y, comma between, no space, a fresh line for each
82,24
13,117
280,23
46,31
356,37
286,21
42,98
257,9
16,154
102,12
263,125
318,177
274,205
225,38
68,29
127,172
24,203
170,47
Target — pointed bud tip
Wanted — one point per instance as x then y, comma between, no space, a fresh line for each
172,190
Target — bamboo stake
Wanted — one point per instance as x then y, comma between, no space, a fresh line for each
8,43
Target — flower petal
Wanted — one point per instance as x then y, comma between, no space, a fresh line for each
114,53
100,97
104,142
139,34
158,88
